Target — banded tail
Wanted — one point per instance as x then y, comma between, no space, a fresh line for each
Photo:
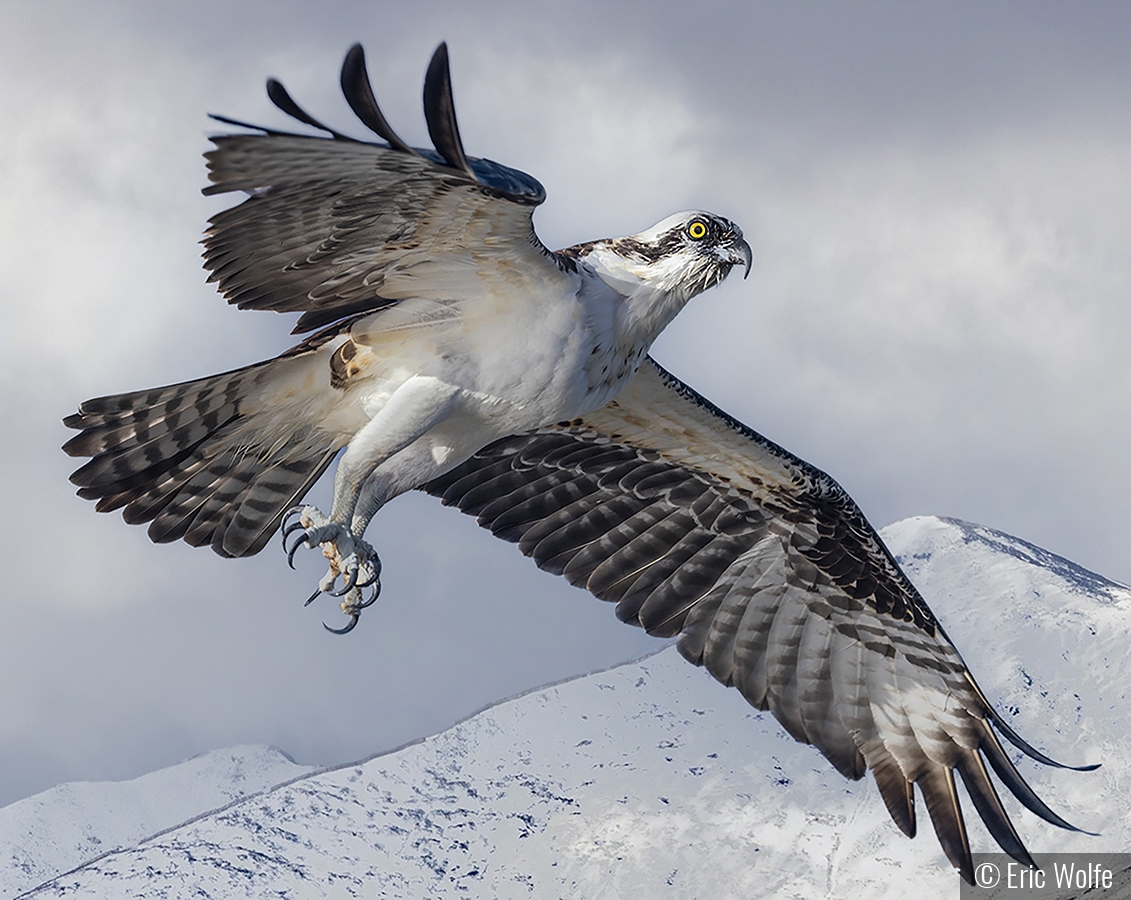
215,461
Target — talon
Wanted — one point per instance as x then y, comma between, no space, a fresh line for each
371,600
291,553
369,581
347,555
293,511
289,530
350,583
346,629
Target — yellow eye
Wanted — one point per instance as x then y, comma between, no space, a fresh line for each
697,230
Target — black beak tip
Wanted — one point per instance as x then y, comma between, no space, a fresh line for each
747,258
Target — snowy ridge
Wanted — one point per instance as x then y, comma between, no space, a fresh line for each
1075,577
71,824
652,780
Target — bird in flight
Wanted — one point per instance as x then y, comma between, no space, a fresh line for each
449,351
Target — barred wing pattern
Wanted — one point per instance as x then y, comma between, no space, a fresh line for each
339,227
768,573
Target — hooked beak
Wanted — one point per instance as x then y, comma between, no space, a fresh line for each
739,252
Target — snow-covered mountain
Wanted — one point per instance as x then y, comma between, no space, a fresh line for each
71,824
646,780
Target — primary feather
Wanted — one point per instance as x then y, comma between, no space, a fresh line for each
452,352
769,576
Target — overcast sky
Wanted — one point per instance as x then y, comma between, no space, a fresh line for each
939,202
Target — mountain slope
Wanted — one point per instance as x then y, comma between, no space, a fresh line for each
70,824
650,779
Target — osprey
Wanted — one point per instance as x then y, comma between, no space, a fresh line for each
452,352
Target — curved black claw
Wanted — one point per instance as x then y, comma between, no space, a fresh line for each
350,582
294,549
374,580
346,629
289,530
313,597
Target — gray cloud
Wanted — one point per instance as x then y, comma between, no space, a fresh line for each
939,201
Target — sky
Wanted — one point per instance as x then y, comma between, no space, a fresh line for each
938,198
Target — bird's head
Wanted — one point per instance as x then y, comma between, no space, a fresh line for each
657,271
684,254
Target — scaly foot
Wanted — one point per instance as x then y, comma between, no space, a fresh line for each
350,557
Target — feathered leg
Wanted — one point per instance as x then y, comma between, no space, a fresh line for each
416,407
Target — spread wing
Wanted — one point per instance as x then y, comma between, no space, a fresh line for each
336,227
768,573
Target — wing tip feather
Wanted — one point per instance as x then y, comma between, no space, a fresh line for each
988,805
279,95
1001,764
440,112
936,785
898,796
358,91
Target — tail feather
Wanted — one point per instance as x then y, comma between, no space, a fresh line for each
204,461
215,513
126,438
151,495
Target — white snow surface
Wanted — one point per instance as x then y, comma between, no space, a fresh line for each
648,780
62,828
